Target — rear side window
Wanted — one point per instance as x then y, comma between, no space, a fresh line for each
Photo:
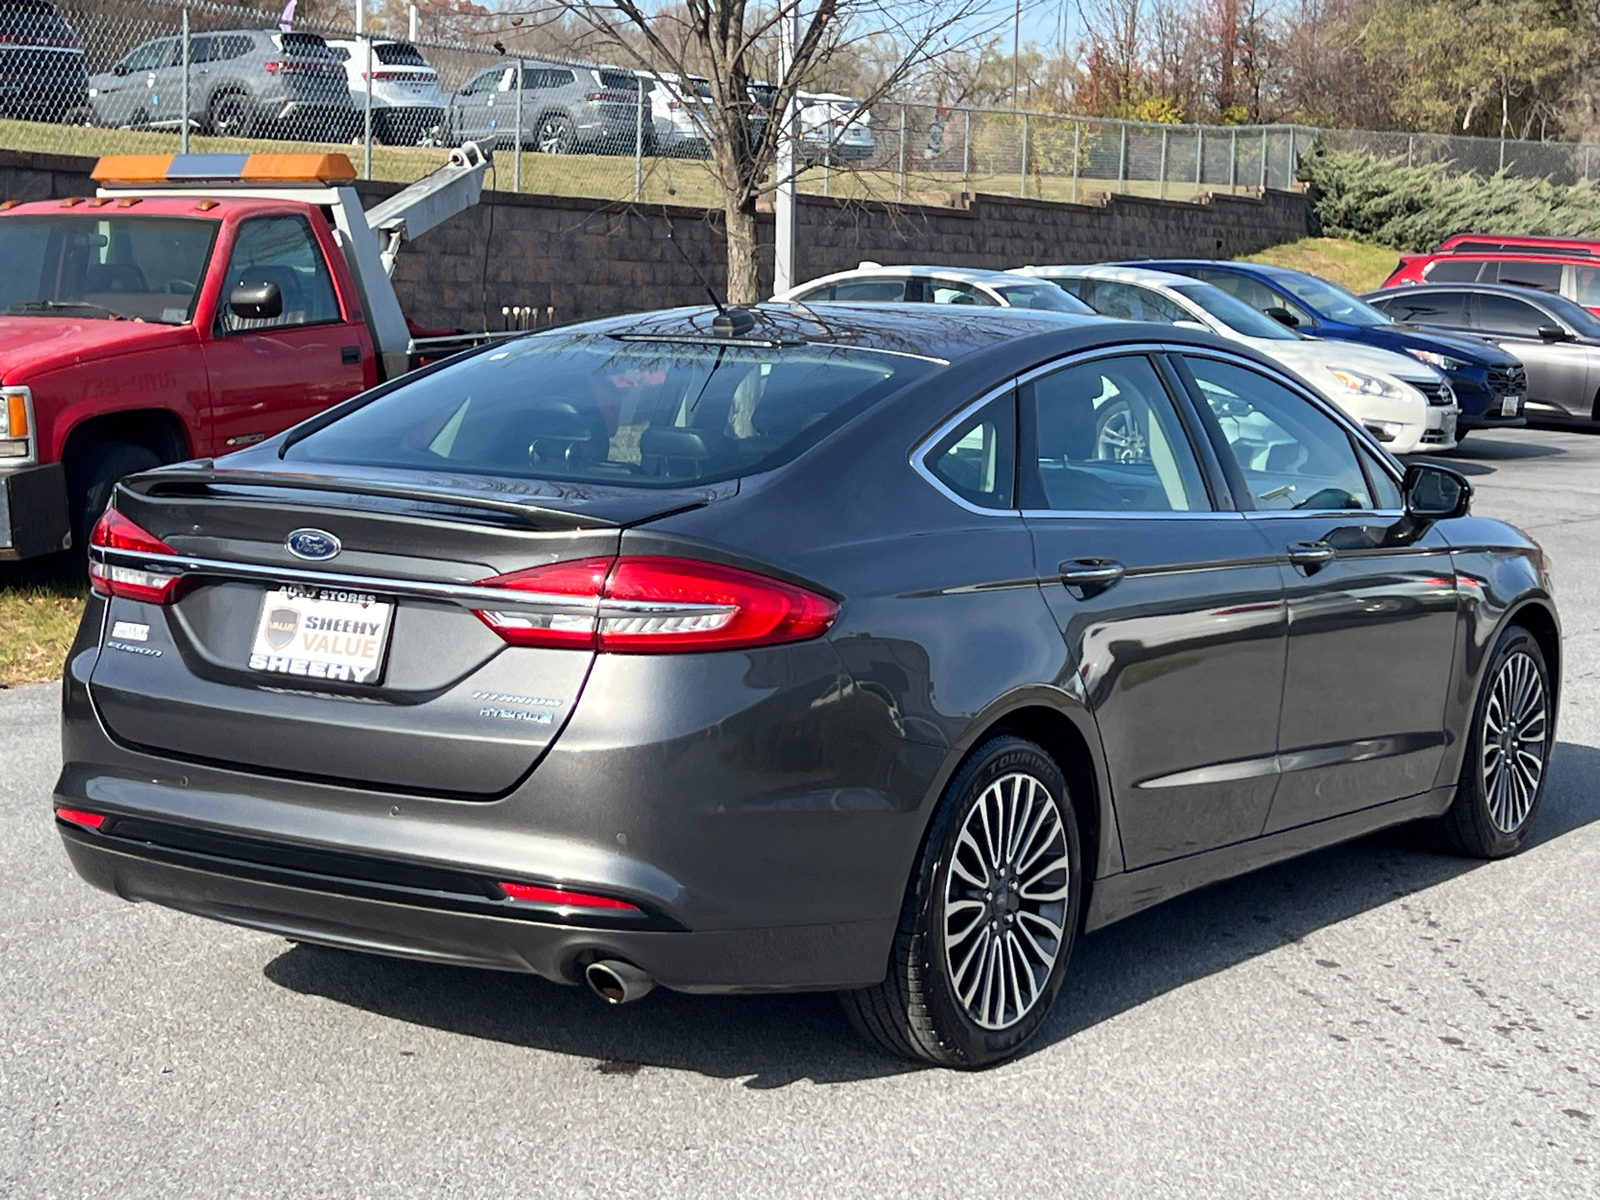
302,45
1132,303
1427,308
1546,276
942,291
880,290
545,77
1104,436
1586,286
398,54
591,408
1453,270
977,460
619,81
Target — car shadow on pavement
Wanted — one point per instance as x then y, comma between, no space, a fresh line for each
1478,456
772,1041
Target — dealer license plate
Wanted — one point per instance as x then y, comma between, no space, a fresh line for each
322,633
1508,406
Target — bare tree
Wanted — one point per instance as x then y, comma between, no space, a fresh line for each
734,44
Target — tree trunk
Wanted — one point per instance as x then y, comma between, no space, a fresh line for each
744,285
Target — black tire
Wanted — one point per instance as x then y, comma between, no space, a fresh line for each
90,477
553,134
230,116
1494,809
929,1009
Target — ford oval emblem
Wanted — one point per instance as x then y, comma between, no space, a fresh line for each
314,544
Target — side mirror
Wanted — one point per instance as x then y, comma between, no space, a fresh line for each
1435,493
120,68
256,301
1553,333
1282,316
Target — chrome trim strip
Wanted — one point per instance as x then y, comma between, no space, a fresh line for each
462,595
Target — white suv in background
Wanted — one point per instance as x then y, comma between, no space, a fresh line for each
1405,404
672,104
407,105
833,127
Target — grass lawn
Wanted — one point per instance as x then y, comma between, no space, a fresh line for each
39,612
1357,265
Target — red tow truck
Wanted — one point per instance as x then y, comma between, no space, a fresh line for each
196,304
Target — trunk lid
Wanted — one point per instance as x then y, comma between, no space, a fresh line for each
451,709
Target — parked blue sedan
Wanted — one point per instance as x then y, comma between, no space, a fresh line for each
1490,383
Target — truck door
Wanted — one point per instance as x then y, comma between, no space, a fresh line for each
272,372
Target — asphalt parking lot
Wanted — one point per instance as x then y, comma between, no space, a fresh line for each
1372,1020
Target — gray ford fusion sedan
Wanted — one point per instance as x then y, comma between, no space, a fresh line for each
883,649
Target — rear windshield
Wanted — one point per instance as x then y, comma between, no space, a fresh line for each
103,266
398,54
590,408
303,45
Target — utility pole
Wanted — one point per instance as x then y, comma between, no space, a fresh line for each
784,213
1016,57
361,17
411,23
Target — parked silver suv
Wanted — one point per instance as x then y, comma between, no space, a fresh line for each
242,83
566,108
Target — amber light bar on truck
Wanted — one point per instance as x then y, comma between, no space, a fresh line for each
188,169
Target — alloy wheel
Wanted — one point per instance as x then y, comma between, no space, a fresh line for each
1005,901
1120,439
552,137
1513,741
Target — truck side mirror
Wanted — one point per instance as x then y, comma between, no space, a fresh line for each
1282,316
256,301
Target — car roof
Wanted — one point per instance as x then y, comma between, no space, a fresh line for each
1491,289
1118,274
944,332
920,271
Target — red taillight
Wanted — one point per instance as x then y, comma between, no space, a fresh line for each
530,894
113,531
76,816
653,605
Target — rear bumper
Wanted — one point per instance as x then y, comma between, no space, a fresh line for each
799,958
758,865
33,512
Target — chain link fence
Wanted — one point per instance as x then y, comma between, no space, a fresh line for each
141,76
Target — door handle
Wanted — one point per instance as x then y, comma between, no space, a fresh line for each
1090,576
1310,555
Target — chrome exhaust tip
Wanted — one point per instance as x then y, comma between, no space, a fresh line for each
617,982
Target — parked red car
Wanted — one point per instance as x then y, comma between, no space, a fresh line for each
1567,267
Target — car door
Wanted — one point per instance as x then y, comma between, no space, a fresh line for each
472,108
1372,615
1560,374
124,94
269,373
1170,603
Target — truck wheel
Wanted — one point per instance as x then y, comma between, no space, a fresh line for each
90,478
989,917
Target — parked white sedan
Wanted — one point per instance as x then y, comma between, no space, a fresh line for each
1406,404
